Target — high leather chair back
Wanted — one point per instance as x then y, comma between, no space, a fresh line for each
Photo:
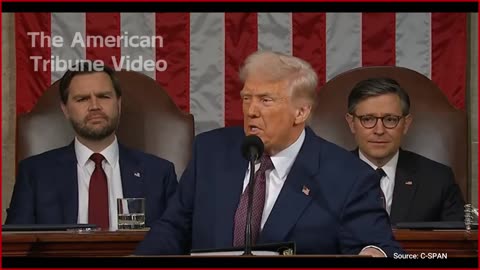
149,121
438,130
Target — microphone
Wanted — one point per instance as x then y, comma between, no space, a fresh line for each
252,149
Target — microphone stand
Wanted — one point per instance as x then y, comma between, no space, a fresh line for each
248,225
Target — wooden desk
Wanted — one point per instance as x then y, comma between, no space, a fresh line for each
70,244
457,243
94,244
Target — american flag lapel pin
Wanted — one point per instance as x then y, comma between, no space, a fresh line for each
409,183
306,190
136,174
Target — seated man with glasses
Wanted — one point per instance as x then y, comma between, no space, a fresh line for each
414,188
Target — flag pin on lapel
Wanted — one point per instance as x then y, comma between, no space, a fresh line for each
137,174
306,190
408,183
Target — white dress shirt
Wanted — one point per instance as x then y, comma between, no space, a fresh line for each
275,178
85,168
387,183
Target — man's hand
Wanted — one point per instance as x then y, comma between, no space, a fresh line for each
370,251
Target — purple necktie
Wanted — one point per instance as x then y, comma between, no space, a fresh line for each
382,173
258,203
98,195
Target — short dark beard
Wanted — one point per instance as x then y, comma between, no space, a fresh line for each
95,135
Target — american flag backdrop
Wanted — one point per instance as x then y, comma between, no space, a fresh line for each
203,51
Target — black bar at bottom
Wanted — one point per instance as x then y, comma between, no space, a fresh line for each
238,262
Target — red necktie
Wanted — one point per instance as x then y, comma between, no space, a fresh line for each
98,195
257,206
382,173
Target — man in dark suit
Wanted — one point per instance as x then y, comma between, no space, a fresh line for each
414,187
81,182
303,191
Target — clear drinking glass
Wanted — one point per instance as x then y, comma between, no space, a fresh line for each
131,213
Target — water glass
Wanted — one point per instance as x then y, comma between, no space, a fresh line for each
131,213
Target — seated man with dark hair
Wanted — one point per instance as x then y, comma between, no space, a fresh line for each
414,188
80,183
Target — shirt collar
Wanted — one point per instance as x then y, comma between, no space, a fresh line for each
83,153
389,168
284,159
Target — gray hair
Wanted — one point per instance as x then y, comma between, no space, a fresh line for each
376,87
276,67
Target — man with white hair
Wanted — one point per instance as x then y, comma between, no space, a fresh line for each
307,190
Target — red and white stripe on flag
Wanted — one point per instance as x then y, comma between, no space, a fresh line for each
203,51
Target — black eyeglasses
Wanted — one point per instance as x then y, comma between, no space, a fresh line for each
370,121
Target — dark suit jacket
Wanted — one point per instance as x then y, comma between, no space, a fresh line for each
46,189
341,213
424,190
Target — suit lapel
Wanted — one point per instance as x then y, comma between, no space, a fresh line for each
131,173
67,173
293,197
230,186
404,190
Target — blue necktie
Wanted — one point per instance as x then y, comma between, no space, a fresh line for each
382,174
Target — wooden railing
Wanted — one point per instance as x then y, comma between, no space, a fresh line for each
457,243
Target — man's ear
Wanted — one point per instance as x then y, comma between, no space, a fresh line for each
349,119
119,105
302,113
408,122
64,110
